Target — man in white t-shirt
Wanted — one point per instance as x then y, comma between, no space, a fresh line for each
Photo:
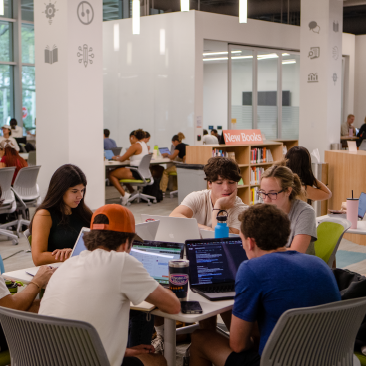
24,300
98,285
223,175
209,139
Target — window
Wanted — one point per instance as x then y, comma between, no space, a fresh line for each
28,43
6,40
29,97
27,10
6,95
8,11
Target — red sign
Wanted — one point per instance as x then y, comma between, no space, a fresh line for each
243,137
25,112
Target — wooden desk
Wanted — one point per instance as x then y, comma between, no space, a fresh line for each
111,164
349,138
346,172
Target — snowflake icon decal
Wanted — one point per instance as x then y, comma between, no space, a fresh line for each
50,11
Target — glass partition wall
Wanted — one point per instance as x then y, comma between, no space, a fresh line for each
264,91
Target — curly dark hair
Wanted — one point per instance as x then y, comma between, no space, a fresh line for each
110,240
267,225
139,134
220,167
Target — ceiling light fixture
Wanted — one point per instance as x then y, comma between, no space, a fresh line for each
285,62
285,54
219,53
135,16
215,59
184,5
243,11
240,57
270,55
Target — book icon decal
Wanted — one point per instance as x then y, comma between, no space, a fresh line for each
85,55
51,56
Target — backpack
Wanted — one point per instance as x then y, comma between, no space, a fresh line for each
154,190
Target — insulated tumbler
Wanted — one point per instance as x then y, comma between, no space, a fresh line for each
352,211
178,278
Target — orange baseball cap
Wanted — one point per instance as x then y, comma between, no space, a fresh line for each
120,219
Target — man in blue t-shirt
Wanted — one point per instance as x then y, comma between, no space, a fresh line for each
108,143
273,280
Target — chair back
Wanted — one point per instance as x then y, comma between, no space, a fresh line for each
25,184
330,232
144,166
22,146
32,158
6,176
116,150
320,335
36,340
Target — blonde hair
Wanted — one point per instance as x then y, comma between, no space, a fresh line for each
287,179
181,136
350,115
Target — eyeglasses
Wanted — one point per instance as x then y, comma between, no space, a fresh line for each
271,196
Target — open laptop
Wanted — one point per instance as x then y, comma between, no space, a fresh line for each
155,257
108,154
362,205
147,230
164,150
210,234
213,264
174,229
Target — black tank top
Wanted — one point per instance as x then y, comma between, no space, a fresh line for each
64,235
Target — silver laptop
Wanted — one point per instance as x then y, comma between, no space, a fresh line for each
147,230
174,229
208,234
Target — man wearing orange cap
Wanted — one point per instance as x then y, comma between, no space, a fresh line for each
98,285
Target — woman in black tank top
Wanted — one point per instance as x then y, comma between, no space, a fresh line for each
57,222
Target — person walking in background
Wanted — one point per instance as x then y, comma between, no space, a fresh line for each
108,143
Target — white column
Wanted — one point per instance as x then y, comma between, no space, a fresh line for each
69,82
320,73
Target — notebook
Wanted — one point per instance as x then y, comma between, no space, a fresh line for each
213,264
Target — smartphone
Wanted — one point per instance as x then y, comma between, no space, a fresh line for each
191,307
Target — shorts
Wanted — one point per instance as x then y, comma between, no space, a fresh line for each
136,175
245,358
132,361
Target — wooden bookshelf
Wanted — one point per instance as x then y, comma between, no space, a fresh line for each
288,143
201,155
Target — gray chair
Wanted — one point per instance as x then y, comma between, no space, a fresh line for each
146,180
32,158
117,150
22,146
36,340
316,336
9,204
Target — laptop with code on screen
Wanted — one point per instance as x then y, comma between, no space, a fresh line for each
213,264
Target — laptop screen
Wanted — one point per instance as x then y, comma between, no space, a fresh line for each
362,205
79,246
214,261
164,150
155,258
108,154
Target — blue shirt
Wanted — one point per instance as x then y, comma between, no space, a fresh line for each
109,143
269,285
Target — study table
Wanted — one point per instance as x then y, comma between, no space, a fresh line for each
24,155
209,309
349,138
112,163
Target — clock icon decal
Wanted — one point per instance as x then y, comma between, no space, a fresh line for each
85,13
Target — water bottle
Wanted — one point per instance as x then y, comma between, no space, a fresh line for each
221,229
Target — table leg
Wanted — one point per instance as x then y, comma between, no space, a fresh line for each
170,341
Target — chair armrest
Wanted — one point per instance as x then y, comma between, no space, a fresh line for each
17,197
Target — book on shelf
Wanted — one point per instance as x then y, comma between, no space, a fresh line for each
225,154
253,196
256,174
260,155
241,183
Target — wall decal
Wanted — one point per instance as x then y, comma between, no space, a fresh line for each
51,56
85,55
85,13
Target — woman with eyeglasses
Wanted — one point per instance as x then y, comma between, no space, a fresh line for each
281,187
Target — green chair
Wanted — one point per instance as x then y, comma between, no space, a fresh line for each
173,174
146,180
330,232
361,357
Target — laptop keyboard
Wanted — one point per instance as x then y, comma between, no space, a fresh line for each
217,289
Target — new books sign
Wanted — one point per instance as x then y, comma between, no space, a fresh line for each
243,137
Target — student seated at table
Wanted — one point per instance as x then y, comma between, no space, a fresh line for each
209,139
107,279
10,157
299,161
57,222
147,139
361,133
7,136
179,154
281,187
272,281
348,125
223,175
108,143
135,153
16,131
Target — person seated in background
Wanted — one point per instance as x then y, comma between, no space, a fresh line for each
215,133
7,136
108,143
280,187
135,153
299,161
362,133
271,282
346,126
16,131
107,279
57,222
179,154
10,157
209,139
147,139
222,175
